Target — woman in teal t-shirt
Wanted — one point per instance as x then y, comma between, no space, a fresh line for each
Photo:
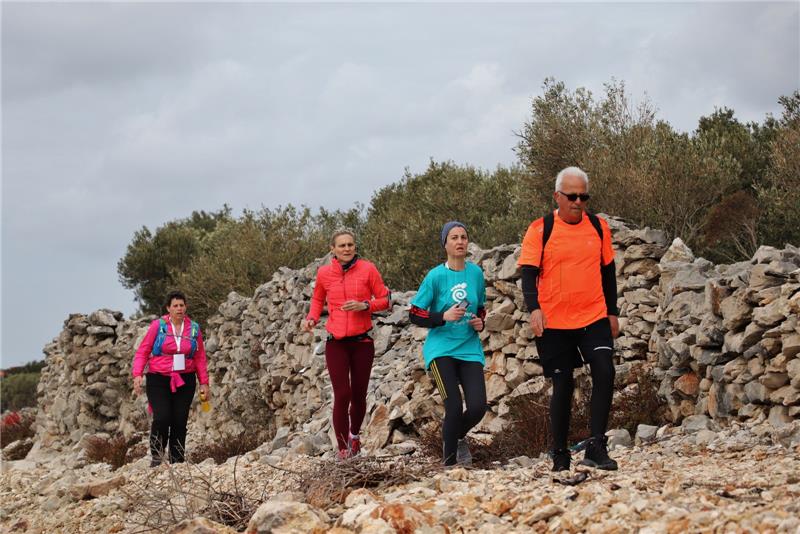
450,302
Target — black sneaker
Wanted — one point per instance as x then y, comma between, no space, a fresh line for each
596,454
560,460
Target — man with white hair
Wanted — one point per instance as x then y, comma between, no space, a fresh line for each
569,285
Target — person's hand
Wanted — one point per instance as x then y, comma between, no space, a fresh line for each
614,320
308,324
137,385
355,305
454,313
476,323
538,322
205,390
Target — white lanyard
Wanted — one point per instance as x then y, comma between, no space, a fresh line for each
177,336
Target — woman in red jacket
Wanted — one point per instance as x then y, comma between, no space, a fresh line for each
173,352
353,289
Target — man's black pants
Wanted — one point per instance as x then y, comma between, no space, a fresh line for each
560,352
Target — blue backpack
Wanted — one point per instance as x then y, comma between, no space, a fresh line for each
162,335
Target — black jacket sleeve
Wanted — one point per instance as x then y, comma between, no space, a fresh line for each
609,275
529,290
424,318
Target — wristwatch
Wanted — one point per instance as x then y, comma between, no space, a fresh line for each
367,303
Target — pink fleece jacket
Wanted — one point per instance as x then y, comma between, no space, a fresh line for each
163,364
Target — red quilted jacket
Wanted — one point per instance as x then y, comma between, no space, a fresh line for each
361,282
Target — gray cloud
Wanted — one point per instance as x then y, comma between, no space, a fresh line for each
122,115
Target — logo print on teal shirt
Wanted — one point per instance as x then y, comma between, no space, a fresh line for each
459,292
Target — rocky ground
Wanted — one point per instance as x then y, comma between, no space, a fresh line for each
692,478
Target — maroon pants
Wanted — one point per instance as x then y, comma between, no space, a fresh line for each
349,366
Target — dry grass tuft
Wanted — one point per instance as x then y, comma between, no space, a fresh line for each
639,404
330,482
116,451
188,492
227,447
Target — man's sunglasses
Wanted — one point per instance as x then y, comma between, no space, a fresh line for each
572,197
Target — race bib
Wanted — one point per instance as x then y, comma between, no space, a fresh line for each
178,362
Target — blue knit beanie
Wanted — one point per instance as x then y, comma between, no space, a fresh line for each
449,226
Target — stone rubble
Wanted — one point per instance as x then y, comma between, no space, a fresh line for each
742,478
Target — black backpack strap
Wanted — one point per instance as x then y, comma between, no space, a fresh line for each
595,220
548,220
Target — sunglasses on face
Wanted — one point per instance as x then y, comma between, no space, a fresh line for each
572,197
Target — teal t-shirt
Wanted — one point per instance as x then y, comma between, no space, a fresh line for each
441,288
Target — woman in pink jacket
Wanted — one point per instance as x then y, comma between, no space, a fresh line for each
173,351
353,289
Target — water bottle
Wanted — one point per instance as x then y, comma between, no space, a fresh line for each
204,405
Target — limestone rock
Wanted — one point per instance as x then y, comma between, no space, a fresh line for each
791,345
735,312
694,423
379,428
677,252
497,322
200,525
95,488
779,416
618,437
688,384
645,433
104,318
287,517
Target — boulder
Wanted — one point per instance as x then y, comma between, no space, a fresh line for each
695,423
645,433
618,437
379,428
95,488
688,384
287,517
200,525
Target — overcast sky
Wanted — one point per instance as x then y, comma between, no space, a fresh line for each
116,116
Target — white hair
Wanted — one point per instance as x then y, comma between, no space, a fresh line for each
572,171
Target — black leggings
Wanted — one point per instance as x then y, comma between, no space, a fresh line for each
595,345
449,373
170,414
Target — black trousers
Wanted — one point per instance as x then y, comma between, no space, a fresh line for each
450,373
170,415
562,350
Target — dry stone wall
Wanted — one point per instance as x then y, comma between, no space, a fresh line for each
722,340
85,386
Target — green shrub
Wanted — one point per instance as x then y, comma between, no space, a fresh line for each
209,255
152,259
18,391
404,220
